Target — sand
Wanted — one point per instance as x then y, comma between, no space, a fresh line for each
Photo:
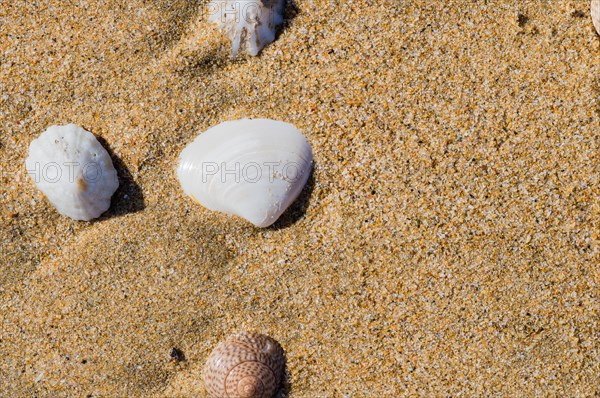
447,243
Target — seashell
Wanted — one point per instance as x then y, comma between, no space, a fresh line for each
245,365
250,24
73,170
253,168
595,9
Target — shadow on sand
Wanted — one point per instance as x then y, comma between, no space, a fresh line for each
298,209
129,197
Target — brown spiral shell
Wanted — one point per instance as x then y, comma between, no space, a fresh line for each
595,10
245,365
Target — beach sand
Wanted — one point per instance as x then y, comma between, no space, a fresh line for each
447,244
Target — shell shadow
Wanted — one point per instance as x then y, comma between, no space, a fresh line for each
129,197
291,11
206,64
286,385
298,209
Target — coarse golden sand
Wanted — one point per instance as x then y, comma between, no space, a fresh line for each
447,244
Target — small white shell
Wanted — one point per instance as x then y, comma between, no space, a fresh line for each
250,24
73,170
595,9
253,168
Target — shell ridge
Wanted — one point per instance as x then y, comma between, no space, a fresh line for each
244,364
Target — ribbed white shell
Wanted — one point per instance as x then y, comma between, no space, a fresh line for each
73,170
250,24
595,10
253,168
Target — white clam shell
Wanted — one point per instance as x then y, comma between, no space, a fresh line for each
253,168
73,170
250,24
595,10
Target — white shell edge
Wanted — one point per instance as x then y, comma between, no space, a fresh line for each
595,11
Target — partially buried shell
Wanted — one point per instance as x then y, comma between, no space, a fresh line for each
250,24
595,9
73,170
246,365
251,168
